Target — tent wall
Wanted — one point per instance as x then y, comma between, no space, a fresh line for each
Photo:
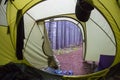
33,43
6,47
100,39
111,12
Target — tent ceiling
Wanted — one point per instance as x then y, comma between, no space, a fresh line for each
48,9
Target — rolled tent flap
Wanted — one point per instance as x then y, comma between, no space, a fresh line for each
0,1
20,39
83,10
46,44
118,2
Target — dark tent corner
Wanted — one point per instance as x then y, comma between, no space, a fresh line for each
18,71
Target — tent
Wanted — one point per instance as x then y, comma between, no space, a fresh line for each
24,39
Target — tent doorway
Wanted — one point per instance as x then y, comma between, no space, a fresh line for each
63,34
66,39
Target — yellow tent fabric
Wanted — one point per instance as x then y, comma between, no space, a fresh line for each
15,10
7,51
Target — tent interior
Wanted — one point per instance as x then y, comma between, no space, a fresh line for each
33,31
62,33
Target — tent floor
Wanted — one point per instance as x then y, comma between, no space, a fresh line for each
72,59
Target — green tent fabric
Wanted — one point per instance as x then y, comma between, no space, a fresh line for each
36,44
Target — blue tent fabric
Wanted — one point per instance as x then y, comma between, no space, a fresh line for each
105,61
